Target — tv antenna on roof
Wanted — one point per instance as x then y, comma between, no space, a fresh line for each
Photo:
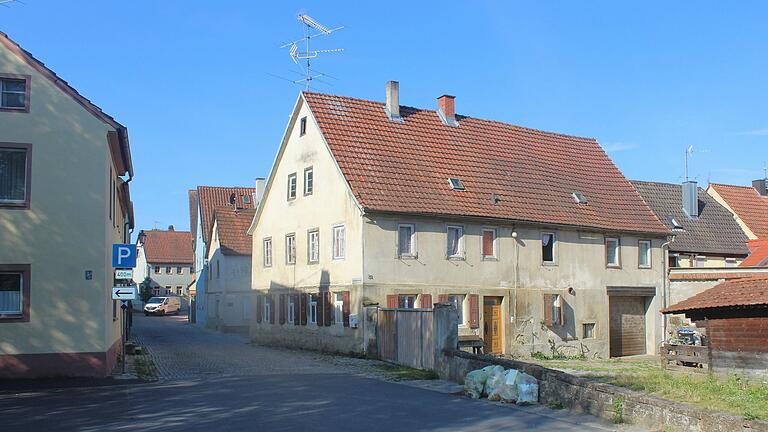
688,152
312,30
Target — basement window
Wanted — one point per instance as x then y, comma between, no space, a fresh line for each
579,198
588,330
455,183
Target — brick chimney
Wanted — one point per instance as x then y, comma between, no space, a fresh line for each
761,186
447,111
393,100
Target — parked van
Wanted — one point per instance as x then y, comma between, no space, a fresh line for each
162,306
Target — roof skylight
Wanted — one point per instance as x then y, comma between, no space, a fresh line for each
455,183
579,198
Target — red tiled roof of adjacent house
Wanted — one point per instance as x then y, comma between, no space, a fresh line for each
233,229
748,204
210,197
168,247
733,293
714,274
758,256
403,167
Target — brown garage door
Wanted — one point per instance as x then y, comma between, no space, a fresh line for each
627,325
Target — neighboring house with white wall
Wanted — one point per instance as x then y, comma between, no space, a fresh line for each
166,258
202,203
229,279
534,236
65,167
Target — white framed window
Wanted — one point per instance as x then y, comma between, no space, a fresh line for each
168,290
548,242
309,181
731,262
303,126
644,254
338,308
267,309
156,291
612,252
11,293
14,176
557,305
179,270
455,241
291,310
290,249
489,245
168,270
179,290
406,240
458,302
406,301
313,245
268,252
313,309
700,261
339,245
291,186
157,269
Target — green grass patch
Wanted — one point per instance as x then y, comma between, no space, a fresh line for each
555,405
145,369
733,394
404,373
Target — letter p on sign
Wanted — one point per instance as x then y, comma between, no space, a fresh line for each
123,255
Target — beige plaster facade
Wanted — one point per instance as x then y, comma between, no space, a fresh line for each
371,268
65,235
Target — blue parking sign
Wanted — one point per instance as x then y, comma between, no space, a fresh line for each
123,255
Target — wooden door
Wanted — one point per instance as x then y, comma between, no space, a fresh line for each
492,329
627,326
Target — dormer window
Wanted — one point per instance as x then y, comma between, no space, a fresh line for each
675,224
456,184
579,198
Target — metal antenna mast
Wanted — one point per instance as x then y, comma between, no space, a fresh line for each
688,152
308,54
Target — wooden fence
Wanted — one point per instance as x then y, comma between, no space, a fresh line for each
405,336
689,358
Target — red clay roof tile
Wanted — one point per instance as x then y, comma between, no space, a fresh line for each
210,197
738,292
748,204
404,168
168,247
233,229
758,256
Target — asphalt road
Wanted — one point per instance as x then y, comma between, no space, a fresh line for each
260,389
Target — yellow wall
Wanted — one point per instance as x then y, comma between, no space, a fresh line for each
66,231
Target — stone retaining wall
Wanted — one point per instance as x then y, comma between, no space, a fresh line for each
583,395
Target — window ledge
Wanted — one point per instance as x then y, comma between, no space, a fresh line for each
613,266
13,317
456,258
549,264
408,257
490,258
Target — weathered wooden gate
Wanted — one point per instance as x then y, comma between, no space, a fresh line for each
404,336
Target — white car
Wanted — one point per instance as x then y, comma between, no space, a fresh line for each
162,306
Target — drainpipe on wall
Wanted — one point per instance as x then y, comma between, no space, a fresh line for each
665,284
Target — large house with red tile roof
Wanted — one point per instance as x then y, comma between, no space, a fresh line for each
533,236
749,205
203,202
65,168
165,257
228,291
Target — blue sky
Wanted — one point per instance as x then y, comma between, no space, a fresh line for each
190,79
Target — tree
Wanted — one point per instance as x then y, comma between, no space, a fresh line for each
145,289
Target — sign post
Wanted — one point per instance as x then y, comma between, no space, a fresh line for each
123,260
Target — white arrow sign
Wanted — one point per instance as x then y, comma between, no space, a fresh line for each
124,293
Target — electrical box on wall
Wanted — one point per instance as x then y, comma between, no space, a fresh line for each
353,323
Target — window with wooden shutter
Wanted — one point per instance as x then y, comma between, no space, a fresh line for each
327,308
259,307
489,243
426,301
296,309
474,311
303,309
345,307
548,299
392,301
272,309
283,309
